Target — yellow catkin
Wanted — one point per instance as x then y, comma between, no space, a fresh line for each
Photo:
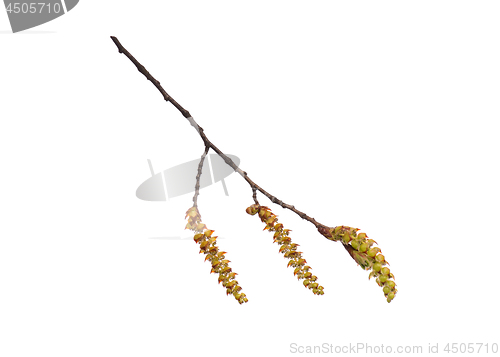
287,248
208,245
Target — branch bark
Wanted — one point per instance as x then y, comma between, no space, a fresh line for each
197,186
323,229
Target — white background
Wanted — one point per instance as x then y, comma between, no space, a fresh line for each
377,115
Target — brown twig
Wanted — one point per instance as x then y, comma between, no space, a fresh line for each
321,227
156,83
197,186
255,195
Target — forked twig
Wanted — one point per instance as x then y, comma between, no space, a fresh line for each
207,142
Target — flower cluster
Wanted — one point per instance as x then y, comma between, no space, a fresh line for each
208,245
368,257
288,248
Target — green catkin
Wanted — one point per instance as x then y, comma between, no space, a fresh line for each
360,248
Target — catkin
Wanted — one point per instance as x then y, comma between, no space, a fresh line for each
208,246
289,249
368,257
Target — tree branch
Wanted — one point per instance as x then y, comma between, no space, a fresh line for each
197,186
156,83
209,144
358,246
